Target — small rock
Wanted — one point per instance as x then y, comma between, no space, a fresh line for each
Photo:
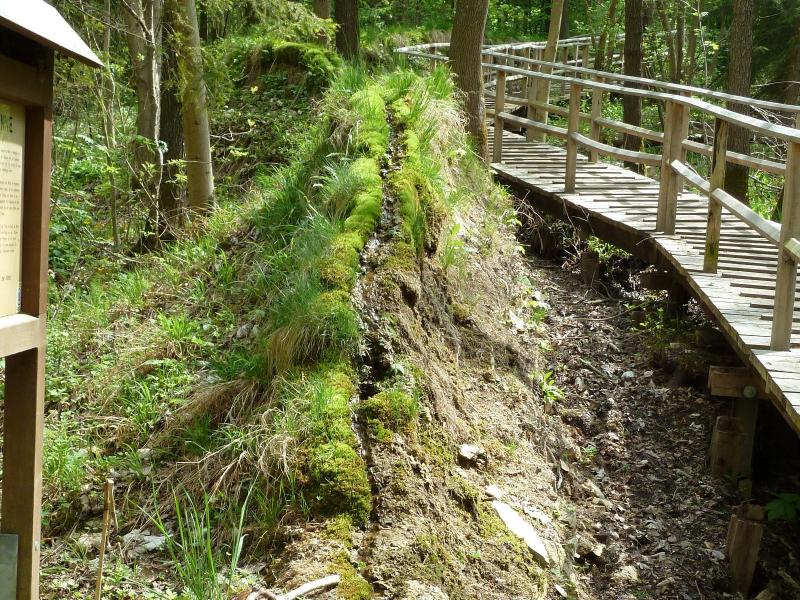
471,454
416,590
628,375
627,574
139,541
523,530
89,541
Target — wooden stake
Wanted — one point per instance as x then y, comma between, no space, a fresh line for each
743,544
108,507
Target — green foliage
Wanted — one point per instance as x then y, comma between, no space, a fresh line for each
206,570
552,393
786,507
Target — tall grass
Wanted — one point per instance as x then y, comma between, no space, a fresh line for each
205,568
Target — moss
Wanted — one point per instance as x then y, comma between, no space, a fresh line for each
372,134
338,482
389,411
318,64
352,585
340,528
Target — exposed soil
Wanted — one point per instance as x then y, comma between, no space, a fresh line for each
611,470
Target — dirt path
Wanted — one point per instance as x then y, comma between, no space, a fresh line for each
658,520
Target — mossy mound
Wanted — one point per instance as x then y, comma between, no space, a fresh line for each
338,482
387,412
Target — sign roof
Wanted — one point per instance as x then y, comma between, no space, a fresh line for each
40,22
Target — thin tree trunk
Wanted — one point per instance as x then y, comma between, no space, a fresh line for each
564,31
465,52
550,50
171,193
632,105
109,132
792,93
347,36
739,74
144,43
143,27
600,55
196,133
322,8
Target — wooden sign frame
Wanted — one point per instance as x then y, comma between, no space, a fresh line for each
27,80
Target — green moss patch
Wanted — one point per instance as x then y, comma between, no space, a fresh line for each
388,412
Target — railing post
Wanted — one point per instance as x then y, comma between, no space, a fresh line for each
585,56
676,129
786,278
572,146
533,83
714,224
499,107
597,112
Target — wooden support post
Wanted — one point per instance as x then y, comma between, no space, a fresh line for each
576,90
727,442
714,224
746,410
676,129
597,112
741,384
786,278
743,545
734,382
499,107
585,56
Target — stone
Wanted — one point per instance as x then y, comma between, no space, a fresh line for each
416,590
523,530
472,455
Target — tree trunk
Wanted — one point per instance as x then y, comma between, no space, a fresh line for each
739,74
107,97
171,195
792,93
564,31
550,50
322,8
196,134
143,28
347,36
465,52
632,105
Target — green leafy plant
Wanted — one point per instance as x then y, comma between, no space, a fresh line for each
547,385
786,507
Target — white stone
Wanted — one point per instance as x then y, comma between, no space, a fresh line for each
523,530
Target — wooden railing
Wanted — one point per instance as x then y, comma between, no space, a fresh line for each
514,72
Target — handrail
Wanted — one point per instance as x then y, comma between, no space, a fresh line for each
678,100
789,134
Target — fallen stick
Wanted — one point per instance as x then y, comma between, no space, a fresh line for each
313,586
308,588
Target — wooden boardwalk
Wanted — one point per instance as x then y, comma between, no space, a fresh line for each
620,206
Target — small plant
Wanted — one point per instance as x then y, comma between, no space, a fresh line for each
547,384
196,557
786,507
454,251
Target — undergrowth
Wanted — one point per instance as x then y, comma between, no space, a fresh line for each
226,365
